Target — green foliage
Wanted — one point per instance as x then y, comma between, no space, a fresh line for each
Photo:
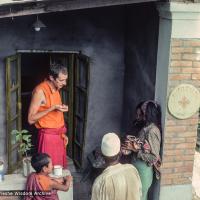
24,139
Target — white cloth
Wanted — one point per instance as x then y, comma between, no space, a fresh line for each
118,182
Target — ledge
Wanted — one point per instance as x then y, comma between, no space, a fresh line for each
18,182
180,11
183,19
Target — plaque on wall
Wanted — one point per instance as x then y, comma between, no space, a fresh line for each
184,101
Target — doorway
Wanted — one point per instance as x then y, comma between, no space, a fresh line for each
31,68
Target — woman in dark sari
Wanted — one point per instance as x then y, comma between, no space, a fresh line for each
146,147
133,130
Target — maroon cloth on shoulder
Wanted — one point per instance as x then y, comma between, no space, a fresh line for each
32,185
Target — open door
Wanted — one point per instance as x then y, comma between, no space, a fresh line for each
75,95
67,59
81,80
13,109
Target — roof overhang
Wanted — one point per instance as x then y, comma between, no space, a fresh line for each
14,2
14,8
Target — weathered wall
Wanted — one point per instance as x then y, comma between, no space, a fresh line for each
98,33
112,39
180,65
140,58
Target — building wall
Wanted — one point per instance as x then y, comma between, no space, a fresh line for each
180,137
140,54
179,25
140,59
99,34
113,37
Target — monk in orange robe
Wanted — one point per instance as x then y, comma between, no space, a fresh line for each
46,112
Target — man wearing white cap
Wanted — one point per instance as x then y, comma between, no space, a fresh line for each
118,181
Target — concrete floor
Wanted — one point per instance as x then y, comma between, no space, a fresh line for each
81,190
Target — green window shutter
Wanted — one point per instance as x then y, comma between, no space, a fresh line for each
69,100
13,109
81,83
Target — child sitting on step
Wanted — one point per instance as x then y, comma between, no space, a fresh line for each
40,185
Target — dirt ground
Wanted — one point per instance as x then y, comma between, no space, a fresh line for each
196,177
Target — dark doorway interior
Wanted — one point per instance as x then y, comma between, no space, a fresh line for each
34,68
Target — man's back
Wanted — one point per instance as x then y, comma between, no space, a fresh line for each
117,182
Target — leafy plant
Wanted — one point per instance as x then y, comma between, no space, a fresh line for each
24,139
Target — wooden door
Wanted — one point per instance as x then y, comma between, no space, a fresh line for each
81,82
13,108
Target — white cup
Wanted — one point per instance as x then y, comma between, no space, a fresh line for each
57,170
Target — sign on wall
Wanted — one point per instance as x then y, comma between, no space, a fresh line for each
184,101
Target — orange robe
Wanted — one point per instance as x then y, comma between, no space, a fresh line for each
51,127
36,184
54,119
44,181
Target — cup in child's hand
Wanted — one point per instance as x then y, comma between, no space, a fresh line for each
57,170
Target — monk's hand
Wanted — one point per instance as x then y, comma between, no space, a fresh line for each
57,107
65,139
62,108
65,108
